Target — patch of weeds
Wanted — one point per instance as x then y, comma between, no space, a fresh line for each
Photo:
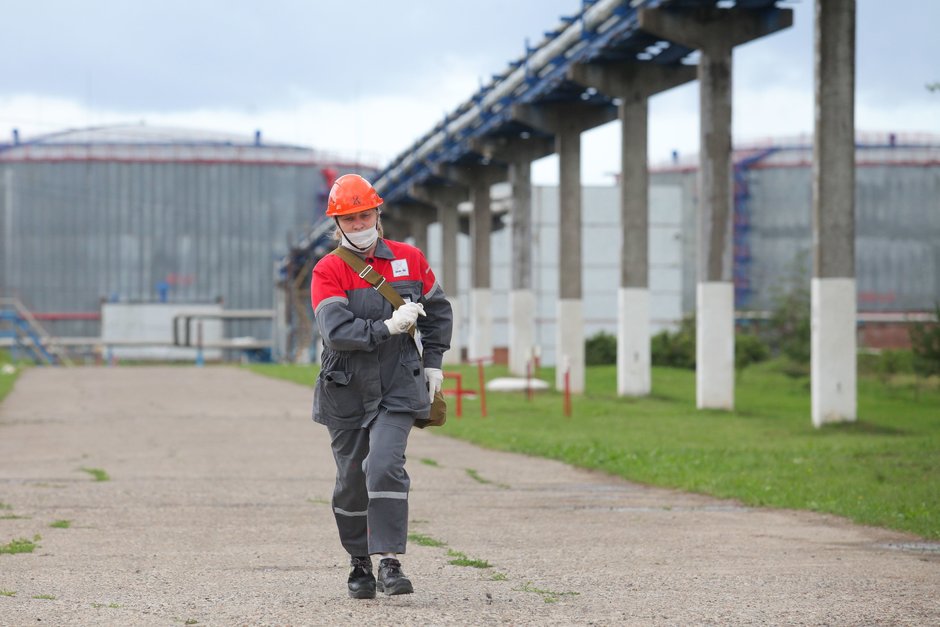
20,545
549,596
7,593
476,477
13,517
417,521
98,606
461,559
61,524
499,577
5,505
97,473
316,500
427,461
191,621
47,597
425,540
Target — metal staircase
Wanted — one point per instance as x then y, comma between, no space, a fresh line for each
28,336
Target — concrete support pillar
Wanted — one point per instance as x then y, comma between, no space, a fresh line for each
519,153
419,232
448,218
569,325
521,297
394,226
714,32
446,199
714,336
633,300
633,83
480,345
567,122
833,335
281,328
478,179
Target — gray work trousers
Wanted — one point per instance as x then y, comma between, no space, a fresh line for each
370,499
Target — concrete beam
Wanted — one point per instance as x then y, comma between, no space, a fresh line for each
709,27
631,81
833,366
510,149
469,175
568,117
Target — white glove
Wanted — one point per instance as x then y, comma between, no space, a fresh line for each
435,379
403,317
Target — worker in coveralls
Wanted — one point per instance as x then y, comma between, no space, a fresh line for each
374,383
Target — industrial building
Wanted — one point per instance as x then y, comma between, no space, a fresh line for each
897,220
140,214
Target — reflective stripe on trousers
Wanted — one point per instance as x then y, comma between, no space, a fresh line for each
370,499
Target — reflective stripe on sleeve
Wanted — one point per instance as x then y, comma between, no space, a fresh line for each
332,299
343,512
434,288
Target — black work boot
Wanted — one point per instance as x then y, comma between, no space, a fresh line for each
361,581
391,579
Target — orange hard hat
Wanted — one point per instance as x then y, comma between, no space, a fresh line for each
351,194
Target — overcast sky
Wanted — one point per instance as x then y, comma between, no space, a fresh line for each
365,78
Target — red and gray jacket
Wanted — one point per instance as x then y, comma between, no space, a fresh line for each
364,367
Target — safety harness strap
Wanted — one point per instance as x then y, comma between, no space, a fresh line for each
376,280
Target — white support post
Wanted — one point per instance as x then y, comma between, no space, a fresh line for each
633,342
833,365
714,347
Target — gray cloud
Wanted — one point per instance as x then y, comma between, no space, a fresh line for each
178,55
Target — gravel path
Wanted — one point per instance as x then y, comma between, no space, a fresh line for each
217,513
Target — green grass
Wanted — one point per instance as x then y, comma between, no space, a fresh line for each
427,461
20,545
61,524
549,596
97,473
7,380
47,597
305,375
7,593
882,470
473,474
425,540
461,559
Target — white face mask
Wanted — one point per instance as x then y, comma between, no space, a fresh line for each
360,240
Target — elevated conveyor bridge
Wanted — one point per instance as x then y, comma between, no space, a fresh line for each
604,32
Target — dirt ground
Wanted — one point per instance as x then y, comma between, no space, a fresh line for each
217,513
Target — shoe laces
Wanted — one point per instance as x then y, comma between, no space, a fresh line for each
361,563
391,565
